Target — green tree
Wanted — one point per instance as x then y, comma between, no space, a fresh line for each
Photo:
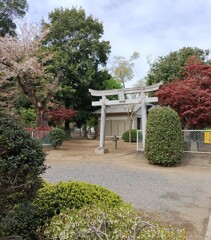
111,83
75,38
122,69
170,67
9,11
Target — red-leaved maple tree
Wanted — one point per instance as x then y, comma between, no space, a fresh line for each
61,114
191,98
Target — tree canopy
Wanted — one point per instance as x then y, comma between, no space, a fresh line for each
170,67
111,83
9,11
24,65
61,114
75,39
191,98
122,69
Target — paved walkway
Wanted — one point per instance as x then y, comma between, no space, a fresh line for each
180,195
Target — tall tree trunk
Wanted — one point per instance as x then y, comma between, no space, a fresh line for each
42,116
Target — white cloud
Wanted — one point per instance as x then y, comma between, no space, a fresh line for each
151,27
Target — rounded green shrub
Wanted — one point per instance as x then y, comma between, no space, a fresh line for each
53,198
120,223
56,137
125,135
164,141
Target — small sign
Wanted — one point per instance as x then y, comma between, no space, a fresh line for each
207,137
121,96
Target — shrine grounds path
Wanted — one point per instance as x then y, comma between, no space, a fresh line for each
180,196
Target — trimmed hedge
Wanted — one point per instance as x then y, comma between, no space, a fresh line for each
125,135
53,198
56,137
164,141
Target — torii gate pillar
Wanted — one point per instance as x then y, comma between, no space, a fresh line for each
102,149
143,118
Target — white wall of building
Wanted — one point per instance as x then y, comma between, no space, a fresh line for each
117,125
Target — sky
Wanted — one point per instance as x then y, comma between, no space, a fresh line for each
151,27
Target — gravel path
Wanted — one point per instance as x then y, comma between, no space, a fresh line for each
182,195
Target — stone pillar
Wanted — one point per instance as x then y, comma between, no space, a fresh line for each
102,149
143,118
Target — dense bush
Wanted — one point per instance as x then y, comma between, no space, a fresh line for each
164,142
125,135
21,163
121,223
56,137
54,198
22,221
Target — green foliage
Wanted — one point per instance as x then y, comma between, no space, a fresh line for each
9,11
76,41
21,163
53,199
92,223
164,142
28,117
56,137
125,135
92,122
23,101
112,83
170,67
21,221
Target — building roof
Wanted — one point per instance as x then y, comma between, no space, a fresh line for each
124,108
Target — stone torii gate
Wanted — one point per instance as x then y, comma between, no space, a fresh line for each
121,93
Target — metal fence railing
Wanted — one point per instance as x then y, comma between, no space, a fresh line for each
197,141
42,136
194,141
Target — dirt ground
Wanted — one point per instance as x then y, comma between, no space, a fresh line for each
195,220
